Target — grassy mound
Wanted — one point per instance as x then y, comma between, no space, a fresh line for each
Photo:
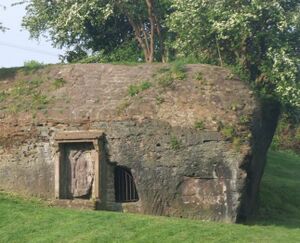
278,219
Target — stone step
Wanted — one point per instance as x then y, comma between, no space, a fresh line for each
76,203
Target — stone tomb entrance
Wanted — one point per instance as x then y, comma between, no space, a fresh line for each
77,168
77,171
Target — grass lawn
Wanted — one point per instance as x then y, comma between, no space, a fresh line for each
278,219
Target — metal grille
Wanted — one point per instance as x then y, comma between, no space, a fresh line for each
125,188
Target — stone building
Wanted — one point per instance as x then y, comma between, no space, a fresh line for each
149,139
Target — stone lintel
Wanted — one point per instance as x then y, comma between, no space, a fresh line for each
79,136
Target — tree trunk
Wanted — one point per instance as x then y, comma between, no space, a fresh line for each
146,39
152,30
141,37
160,38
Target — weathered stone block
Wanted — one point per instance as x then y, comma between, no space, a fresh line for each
71,150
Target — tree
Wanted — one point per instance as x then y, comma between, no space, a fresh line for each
259,37
101,24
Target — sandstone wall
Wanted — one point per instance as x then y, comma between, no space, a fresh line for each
179,169
201,179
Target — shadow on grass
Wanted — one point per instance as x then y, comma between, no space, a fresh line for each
280,192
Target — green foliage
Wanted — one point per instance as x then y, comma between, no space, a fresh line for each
39,101
244,119
25,96
90,24
145,85
32,65
268,60
239,71
196,30
228,132
3,96
95,26
127,52
25,88
135,89
123,106
6,73
179,75
287,136
235,106
297,134
58,83
96,57
164,69
178,69
165,80
199,76
175,143
236,142
200,125
201,79
159,100
77,54
166,76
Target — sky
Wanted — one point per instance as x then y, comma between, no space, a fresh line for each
15,45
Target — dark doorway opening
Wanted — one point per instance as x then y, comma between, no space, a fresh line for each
125,189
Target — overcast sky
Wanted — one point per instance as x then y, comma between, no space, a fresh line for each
15,46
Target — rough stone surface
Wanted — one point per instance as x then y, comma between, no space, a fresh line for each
178,170
79,170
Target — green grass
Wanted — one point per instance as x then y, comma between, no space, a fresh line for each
32,65
25,96
277,221
58,83
175,143
166,76
200,125
135,89
280,191
228,132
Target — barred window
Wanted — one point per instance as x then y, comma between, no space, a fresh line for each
125,189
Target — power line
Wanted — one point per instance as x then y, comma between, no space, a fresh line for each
29,49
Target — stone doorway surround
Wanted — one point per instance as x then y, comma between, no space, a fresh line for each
77,138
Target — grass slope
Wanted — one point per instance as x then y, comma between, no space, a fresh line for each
280,191
278,220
